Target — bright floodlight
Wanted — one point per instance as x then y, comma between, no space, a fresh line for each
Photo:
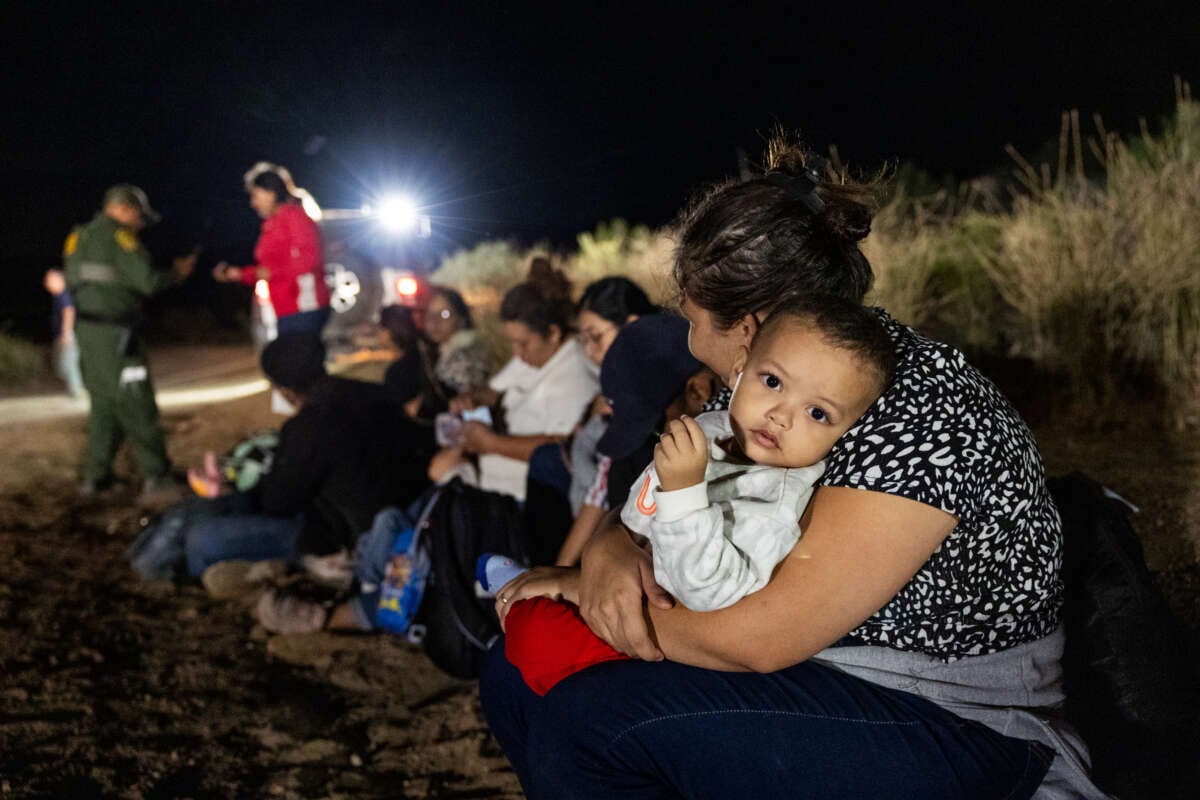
398,214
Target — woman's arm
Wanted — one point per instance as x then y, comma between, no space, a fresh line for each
479,438
858,550
68,324
581,530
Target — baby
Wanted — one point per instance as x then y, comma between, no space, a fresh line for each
720,505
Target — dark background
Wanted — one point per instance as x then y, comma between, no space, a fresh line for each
535,123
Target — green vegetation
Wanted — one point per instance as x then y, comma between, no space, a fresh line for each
1090,268
20,361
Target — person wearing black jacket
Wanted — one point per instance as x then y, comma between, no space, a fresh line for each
348,452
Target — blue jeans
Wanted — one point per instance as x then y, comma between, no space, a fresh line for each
66,366
635,729
371,555
546,466
303,321
250,537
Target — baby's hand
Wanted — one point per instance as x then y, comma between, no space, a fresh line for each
681,455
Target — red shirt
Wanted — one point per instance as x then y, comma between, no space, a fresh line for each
289,247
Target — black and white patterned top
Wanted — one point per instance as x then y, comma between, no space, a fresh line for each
719,400
943,435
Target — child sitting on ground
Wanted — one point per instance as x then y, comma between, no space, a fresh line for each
721,502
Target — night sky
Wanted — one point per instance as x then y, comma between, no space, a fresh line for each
512,120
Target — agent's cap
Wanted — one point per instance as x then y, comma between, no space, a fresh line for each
645,369
132,196
294,361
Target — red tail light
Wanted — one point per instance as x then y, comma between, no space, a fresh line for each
407,287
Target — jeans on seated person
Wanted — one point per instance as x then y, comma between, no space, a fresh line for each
245,536
547,505
636,729
546,466
371,556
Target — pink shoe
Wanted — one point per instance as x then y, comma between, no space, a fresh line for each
202,484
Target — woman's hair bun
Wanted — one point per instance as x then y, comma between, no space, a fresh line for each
553,284
846,210
847,218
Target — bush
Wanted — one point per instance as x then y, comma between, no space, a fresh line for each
20,361
488,268
615,248
931,271
1103,273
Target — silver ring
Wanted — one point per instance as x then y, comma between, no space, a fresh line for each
504,600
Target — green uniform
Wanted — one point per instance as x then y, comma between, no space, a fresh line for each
110,274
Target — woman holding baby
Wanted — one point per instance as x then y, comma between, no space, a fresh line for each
908,644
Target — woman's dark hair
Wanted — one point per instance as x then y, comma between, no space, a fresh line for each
615,299
275,184
544,299
398,321
455,301
746,247
843,323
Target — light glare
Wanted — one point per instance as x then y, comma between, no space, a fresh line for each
398,214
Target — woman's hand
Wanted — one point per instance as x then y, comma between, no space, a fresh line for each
558,583
616,575
478,438
443,461
224,273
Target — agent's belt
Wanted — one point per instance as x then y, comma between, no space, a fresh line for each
125,320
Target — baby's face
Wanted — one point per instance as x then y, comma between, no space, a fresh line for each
796,395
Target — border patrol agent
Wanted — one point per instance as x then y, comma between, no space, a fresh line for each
110,274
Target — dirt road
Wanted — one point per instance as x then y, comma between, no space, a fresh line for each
117,689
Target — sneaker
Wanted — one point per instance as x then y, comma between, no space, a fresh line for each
279,612
494,571
94,486
335,571
228,580
161,488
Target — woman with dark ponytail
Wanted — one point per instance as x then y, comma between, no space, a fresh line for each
288,255
910,644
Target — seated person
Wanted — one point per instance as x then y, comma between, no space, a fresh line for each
650,375
538,397
720,504
565,489
344,455
463,362
410,379
647,374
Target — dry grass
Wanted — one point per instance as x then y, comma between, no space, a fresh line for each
1090,268
1104,271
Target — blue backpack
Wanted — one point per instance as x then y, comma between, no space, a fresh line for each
429,592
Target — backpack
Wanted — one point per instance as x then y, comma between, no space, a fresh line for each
250,460
457,523
1130,678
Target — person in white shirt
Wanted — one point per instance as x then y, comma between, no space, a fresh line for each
542,391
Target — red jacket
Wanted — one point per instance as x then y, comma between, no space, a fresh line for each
290,248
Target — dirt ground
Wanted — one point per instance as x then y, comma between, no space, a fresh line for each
117,689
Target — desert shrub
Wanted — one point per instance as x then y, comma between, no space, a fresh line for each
1102,272
20,361
616,248
931,270
488,268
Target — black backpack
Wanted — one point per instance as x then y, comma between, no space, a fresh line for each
1129,668
462,523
